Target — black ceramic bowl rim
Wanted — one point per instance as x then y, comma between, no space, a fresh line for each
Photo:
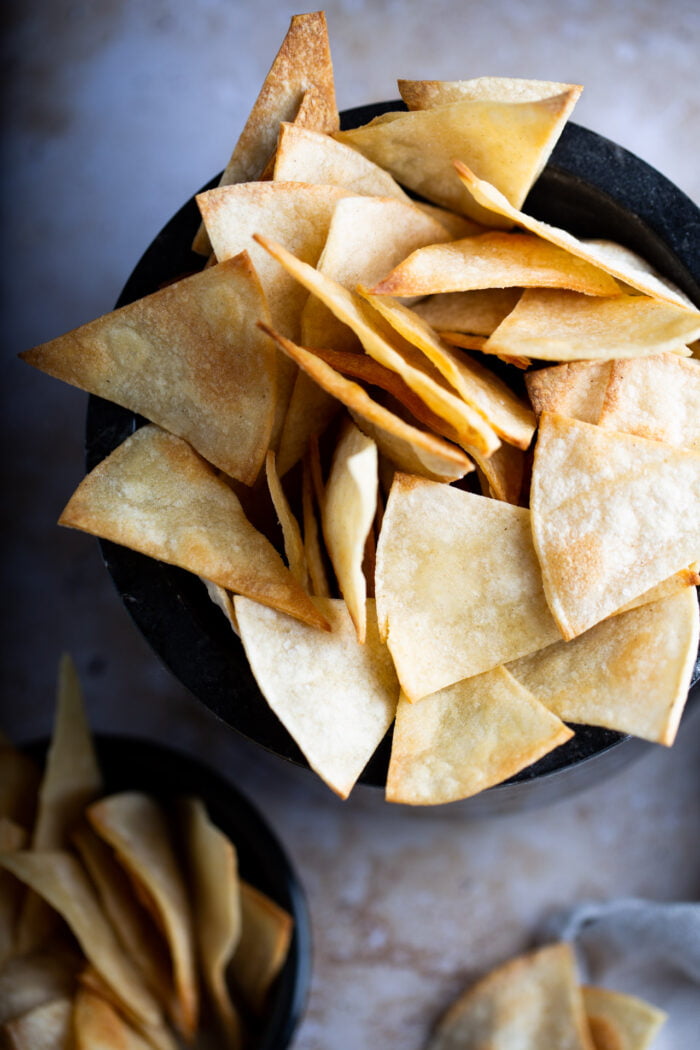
591,187
136,764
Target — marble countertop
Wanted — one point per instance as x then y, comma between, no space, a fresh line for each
112,120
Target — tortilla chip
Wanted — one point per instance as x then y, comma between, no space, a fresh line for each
446,602
648,655
502,474
156,495
457,226
98,1026
556,325
531,1001
366,238
413,449
46,1027
222,598
618,1021
189,358
474,313
309,156
303,65
612,515
656,398
266,934
418,147
136,829
616,260
576,389
397,354
213,868
309,412
349,509
339,729
485,392
494,260
466,738
61,880
425,94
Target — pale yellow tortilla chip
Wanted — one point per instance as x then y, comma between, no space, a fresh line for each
213,867
156,495
46,1027
556,325
532,1001
424,94
366,238
619,1021
655,397
302,68
458,586
612,515
337,729
60,879
412,449
98,1026
617,261
391,350
466,738
474,313
509,417
418,147
266,934
190,358
136,828
309,156
576,389
647,654
494,260
349,508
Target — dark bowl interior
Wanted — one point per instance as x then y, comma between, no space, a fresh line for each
593,188
131,764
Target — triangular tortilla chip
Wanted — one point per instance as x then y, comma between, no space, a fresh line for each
215,889
576,389
655,397
425,94
647,654
619,262
189,358
494,260
531,1001
612,515
475,313
302,66
413,450
156,495
61,880
338,729
466,738
619,1021
418,147
266,934
556,325
349,508
366,238
458,586
137,830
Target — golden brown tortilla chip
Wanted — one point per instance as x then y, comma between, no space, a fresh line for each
648,654
466,738
612,515
655,397
618,1021
556,325
533,1001
338,729
302,66
190,358
458,586
156,495
425,94
98,1026
576,389
494,260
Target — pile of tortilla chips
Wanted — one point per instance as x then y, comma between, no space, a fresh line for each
535,1001
123,923
474,548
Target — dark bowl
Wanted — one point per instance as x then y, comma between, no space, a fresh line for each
131,764
593,188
